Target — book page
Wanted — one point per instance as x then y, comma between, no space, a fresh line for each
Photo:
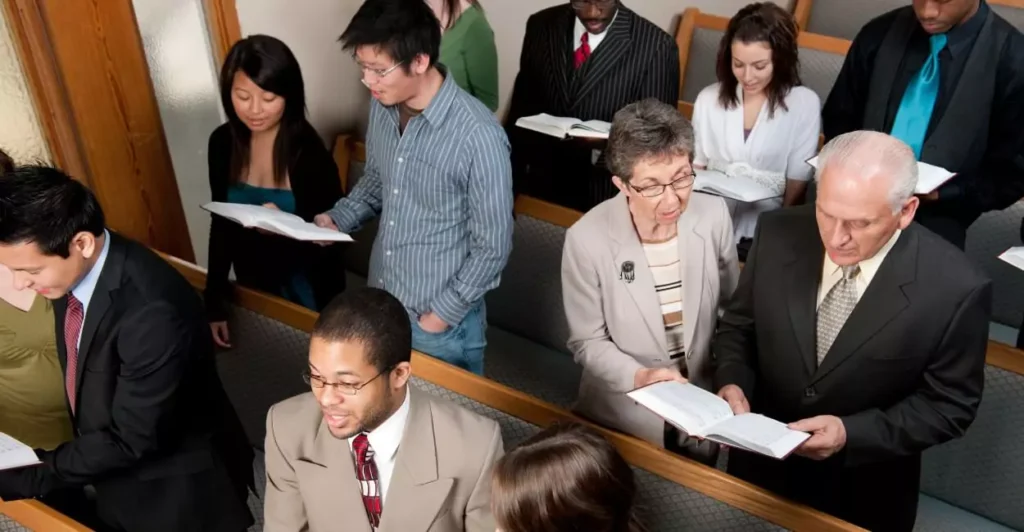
734,187
686,406
300,229
1014,256
929,176
759,433
556,126
14,454
597,129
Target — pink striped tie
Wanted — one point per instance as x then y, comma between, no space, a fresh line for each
73,318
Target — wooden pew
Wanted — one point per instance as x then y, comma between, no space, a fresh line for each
34,515
691,475
843,18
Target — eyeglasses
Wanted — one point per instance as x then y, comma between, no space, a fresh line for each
380,73
654,191
580,4
343,388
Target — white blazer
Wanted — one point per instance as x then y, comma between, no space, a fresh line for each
777,148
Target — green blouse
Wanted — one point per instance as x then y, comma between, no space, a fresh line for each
469,54
32,404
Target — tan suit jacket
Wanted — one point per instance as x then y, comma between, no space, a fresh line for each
616,326
440,483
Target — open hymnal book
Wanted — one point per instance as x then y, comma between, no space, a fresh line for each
14,454
275,221
705,415
1014,256
560,127
731,186
929,176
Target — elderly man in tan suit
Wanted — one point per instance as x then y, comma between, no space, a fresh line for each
644,274
367,452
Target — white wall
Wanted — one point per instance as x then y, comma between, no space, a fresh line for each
20,134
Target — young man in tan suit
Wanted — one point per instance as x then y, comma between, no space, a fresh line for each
365,451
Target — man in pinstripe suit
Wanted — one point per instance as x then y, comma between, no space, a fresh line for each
585,59
438,175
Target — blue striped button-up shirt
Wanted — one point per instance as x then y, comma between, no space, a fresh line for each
443,190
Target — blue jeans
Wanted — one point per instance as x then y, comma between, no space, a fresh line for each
460,345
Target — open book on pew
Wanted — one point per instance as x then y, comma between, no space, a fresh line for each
1014,256
275,221
929,176
14,454
561,127
736,187
703,414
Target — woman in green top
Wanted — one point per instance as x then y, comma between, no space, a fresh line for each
467,48
32,404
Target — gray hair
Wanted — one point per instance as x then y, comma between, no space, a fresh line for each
870,153
643,130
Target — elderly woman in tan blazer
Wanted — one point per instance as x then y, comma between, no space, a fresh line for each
644,274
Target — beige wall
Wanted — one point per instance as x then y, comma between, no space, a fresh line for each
336,99
20,134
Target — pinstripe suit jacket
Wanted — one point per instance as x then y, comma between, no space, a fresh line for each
636,60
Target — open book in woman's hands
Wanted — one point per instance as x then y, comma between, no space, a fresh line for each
14,454
275,221
703,414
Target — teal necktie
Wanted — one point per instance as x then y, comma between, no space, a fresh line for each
915,110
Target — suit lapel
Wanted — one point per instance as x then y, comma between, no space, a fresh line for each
560,50
883,300
330,472
605,59
631,263
416,493
99,304
691,272
802,293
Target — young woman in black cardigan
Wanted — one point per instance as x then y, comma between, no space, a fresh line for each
268,154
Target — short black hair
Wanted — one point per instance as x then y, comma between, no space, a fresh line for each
403,29
373,317
46,206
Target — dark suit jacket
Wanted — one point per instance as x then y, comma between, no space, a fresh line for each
154,432
636,60
905,373
266,262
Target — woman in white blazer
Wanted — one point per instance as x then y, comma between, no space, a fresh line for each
758,121
644,273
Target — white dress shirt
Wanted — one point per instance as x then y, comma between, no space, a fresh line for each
84,289
832,273
384,440
594,39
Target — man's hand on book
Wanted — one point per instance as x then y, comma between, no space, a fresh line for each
828,436
325,221
645,376
736,398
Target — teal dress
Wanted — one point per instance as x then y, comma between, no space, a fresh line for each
297,287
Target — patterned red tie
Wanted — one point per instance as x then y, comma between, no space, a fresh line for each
583,52
369,483
72,328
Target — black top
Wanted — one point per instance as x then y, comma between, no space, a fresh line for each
267,262
1000,181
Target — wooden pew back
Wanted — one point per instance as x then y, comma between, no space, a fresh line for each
844,19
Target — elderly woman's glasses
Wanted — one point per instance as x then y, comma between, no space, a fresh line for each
654,191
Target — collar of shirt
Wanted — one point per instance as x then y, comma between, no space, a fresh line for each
385,439
439,105
595,38
868,267
84,289
960,38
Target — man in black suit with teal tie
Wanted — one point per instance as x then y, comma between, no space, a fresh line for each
585,59
155,436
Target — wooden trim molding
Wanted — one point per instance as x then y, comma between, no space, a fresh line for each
684,37
686,109
35,515
695,476
802,13
47,89
1019,4
222,23
711,22
823,43
343,158
1005,357
548,212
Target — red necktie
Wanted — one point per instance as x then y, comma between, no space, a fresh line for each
583,52
73,318
369,484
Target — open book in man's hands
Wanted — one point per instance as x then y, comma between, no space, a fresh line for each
14,454
275,221
560,127
705,415
737,187
1014,256
929,176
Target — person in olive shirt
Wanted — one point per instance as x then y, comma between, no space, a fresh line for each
467,48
